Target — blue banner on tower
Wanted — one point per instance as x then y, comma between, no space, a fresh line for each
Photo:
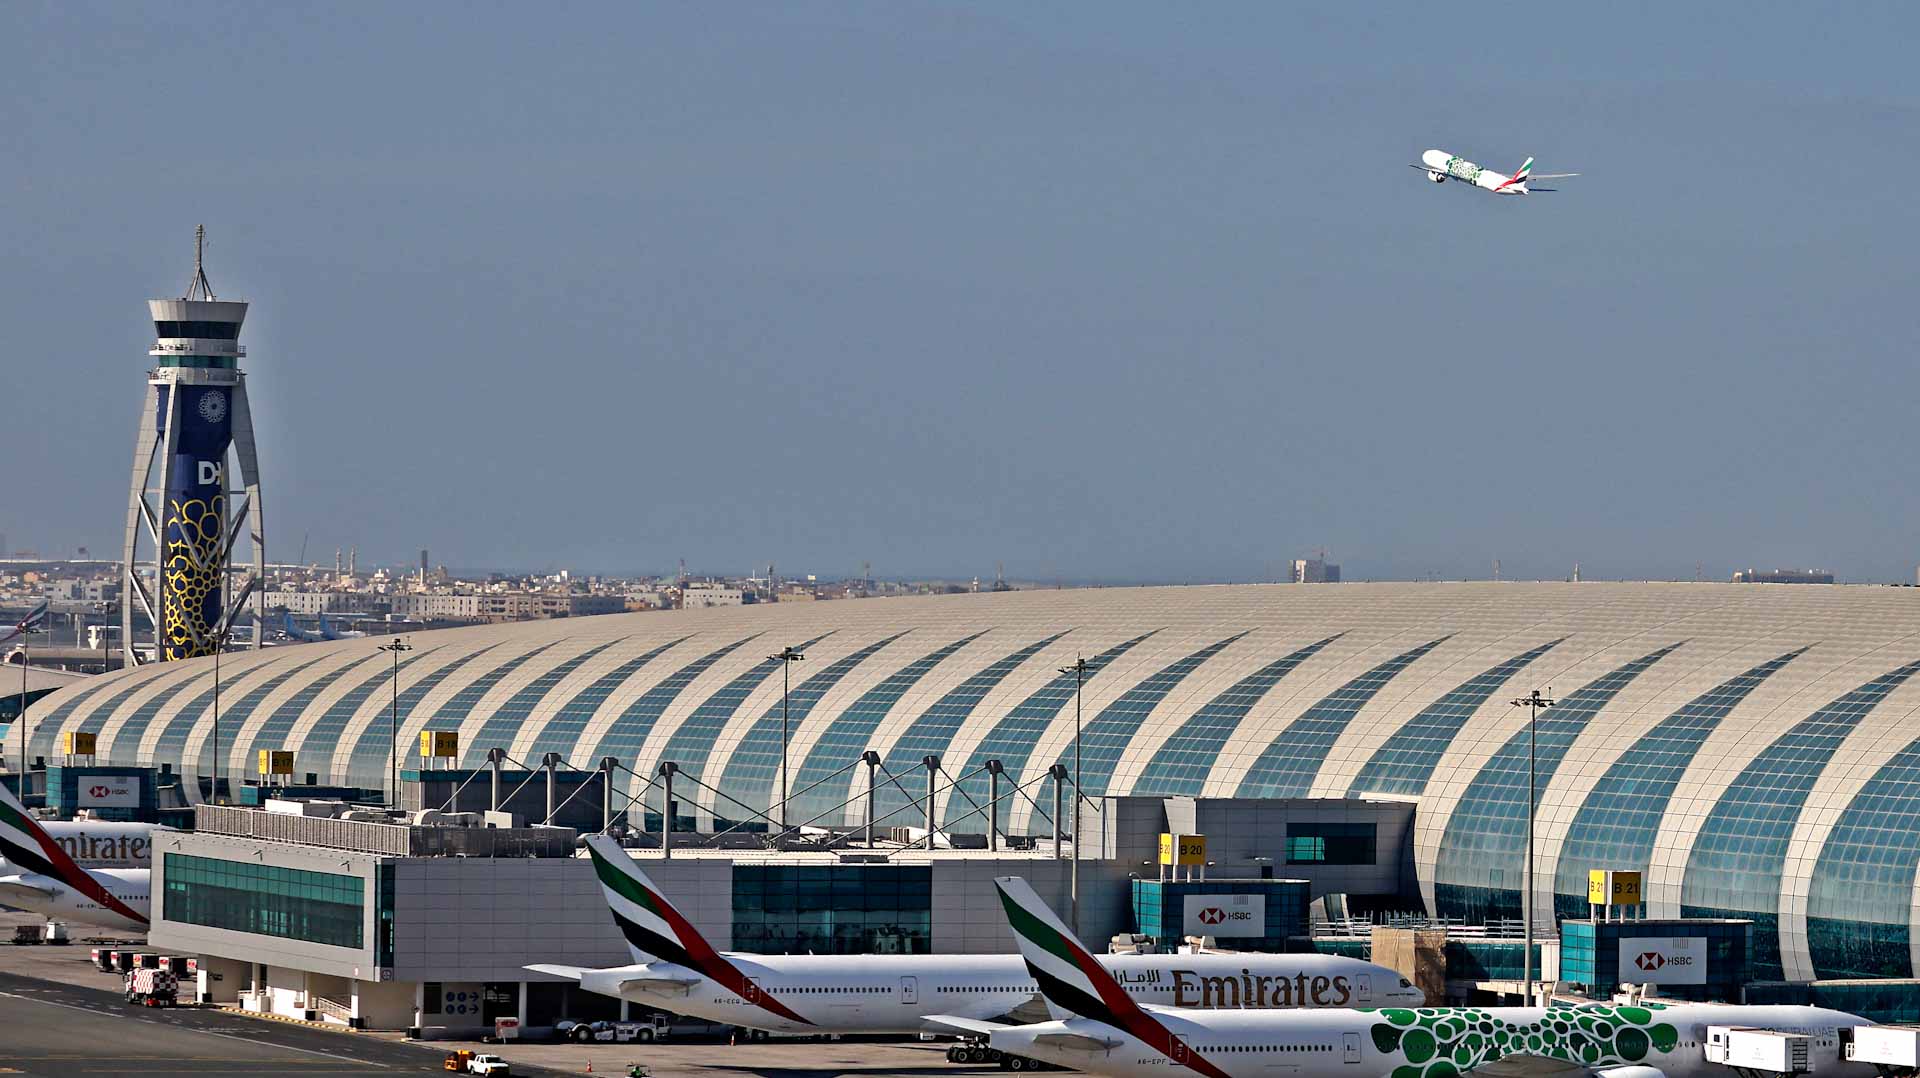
196,512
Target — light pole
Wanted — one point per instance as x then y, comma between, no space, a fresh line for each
1079,672
393,721
219,645
786,658
1534,703
26,629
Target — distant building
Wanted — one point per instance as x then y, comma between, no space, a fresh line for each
431,606
1315,571
326,602
1783,576
703,593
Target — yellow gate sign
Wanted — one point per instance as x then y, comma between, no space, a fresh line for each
439,744
1606,887
1183,849
276,762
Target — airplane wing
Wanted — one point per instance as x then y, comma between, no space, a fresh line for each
1080,1041
1551,175
1424,168
658,984
571,973
19,890
956,1024
1531,1066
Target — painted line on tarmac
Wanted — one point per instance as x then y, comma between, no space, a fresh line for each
208,1032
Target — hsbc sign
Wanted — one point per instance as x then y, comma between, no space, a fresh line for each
1225,915
1663,960
109,791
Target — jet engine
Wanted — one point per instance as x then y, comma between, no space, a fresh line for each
1437,177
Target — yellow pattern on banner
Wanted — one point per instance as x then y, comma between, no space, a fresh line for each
191,573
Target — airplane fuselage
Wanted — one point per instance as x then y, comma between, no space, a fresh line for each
1369,1044
891,993
1442,166
58,901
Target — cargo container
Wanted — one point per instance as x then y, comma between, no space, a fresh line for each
1887,1046
152,988
1760,1049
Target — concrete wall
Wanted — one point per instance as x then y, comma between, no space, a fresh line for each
385,1004
483,919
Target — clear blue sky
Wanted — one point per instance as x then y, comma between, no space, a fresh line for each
1123,292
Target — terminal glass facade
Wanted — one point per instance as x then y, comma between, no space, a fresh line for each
315,907
833,909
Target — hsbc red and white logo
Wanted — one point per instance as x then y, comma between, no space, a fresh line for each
1664,960
108,791
1225,915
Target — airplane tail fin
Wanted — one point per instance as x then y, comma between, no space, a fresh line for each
1525,168
26,846
1071,981
654,929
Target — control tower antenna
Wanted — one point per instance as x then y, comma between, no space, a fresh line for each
199,288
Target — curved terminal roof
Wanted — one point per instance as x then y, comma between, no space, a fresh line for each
1752,747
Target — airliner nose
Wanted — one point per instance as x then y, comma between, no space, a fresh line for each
1435,159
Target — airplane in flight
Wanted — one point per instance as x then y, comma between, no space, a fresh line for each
1102,1031
676,969
41,878
1441,166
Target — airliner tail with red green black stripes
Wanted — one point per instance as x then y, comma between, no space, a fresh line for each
1441,166
41,878
1108,1034
675,968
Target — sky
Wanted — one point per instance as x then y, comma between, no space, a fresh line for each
1100,292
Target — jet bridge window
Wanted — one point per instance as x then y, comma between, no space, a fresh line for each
1331,843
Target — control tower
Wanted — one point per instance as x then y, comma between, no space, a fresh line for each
185,508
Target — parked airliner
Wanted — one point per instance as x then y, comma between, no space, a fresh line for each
41,878
675,969
1103,1031
1441,166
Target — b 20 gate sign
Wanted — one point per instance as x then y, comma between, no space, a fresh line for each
1225,915
1662,960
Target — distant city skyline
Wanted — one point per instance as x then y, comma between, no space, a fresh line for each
1106,294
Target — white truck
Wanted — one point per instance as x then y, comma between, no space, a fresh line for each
1760,1049
488,1063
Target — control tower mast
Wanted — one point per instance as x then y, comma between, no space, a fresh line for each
179,549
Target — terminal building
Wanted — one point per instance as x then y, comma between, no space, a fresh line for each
1750,751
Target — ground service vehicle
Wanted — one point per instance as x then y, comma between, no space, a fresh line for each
488,1063
25,934
153,988
456,1061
